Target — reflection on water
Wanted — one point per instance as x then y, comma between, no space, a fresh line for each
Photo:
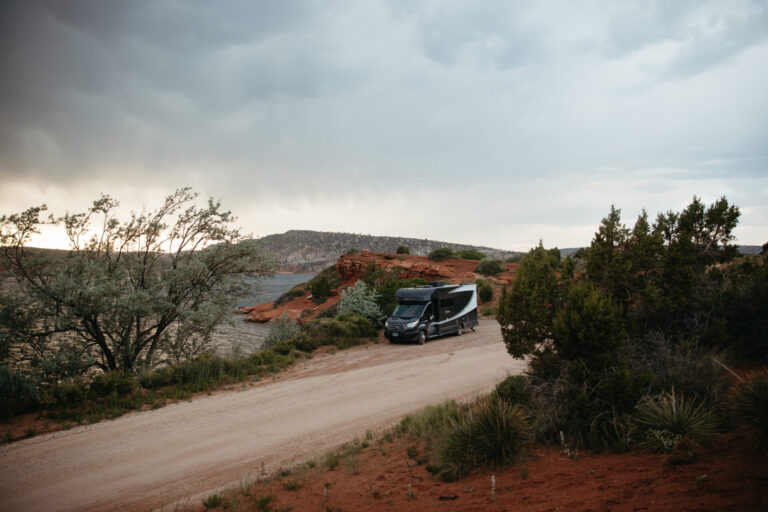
249,335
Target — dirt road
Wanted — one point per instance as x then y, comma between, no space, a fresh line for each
150,459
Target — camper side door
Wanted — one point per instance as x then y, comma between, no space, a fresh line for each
428,318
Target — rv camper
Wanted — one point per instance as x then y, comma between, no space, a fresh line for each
435,309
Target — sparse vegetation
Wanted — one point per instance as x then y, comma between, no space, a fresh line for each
403,250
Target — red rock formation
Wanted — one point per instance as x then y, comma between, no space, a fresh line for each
350,268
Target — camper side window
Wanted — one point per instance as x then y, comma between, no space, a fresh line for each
427,311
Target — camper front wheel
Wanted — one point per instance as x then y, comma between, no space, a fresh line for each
422,338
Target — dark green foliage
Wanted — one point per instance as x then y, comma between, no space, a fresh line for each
750,402
403,250
488,267
117,383
665,420
18,393
588,329
441,254
484,290
640,311
343,331
491,434
213,501
469,254
528,307
514,389
322,284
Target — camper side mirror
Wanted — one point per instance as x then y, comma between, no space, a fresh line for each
431,317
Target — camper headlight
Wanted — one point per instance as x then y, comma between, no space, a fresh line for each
386,324
412,325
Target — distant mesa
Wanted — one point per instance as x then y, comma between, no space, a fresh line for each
312,251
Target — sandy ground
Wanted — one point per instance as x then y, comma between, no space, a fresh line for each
150,459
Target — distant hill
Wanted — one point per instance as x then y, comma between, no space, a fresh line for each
312,251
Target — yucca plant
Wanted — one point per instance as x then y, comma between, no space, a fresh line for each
664,421
750,402
493,433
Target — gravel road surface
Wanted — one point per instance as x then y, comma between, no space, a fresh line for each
152,459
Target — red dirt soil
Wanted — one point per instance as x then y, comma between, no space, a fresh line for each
730,476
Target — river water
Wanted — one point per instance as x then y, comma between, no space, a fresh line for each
248,336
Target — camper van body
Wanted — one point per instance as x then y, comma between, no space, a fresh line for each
432,310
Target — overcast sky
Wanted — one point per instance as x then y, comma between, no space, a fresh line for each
490,123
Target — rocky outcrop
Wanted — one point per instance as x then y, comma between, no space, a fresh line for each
351,267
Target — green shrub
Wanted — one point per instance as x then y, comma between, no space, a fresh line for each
18,393
281,329
343,331
117,383
488,267
492,434
665,420
320,290
213,501
322,284
484,290
469,254
426,423
513,389
441,254
403,250
360,300
750,402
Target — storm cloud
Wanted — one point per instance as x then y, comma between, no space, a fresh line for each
495,123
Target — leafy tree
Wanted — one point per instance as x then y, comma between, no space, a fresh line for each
403,250
361,300
129,293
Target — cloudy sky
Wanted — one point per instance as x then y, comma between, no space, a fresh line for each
491,123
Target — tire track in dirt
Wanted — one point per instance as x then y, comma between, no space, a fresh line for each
150,459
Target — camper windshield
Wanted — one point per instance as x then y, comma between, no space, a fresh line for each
408,310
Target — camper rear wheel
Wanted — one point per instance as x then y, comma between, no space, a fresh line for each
461,330
422,338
